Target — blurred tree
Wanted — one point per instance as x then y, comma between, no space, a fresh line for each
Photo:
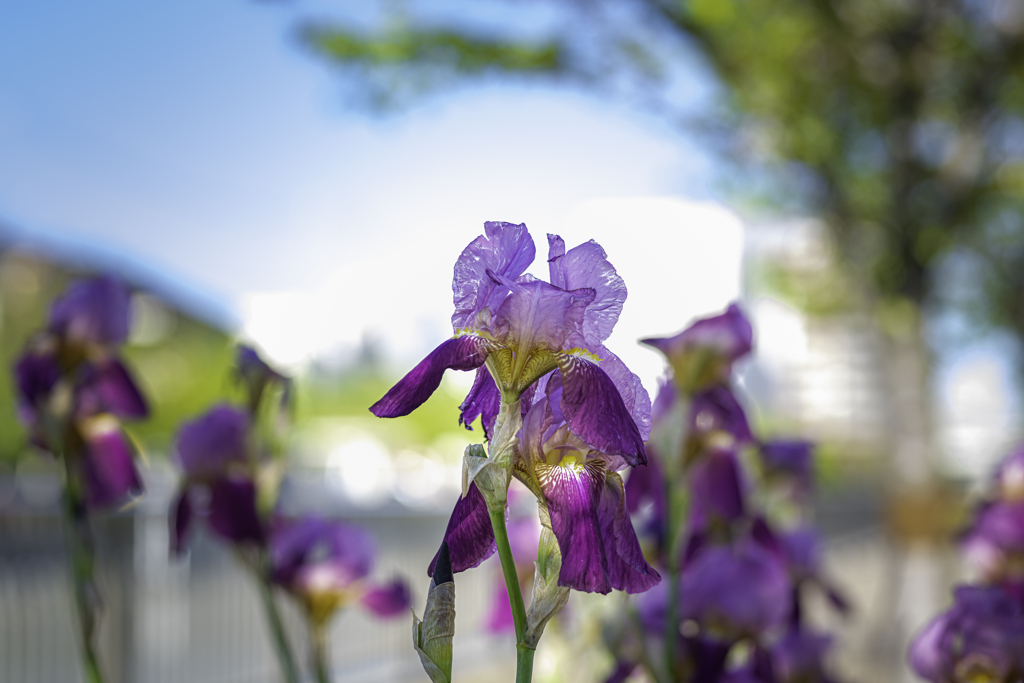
900,123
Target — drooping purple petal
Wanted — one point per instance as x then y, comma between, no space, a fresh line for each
109,388
717,410
594,409
465,352
587,266
35,373
573,492
212,442
627,569
483,401
92,311
538,315
388,600
232,513
504,248
631,389
108,466
736,591
469,534
716,490
181,522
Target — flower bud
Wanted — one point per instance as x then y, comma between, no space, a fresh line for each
548,597
490,478
432,637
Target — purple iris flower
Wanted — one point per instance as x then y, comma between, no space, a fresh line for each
980,638
325,564
716,409
522,329
92,311
790,458
256,376
735,591
799,657
214,452
1009,476
996,535
702,355
716,491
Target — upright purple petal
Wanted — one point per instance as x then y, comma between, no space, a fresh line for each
92,311
35,373
212,442
595,411
504,248
232,513
538,315
110,474
627,569
717,410
299,543
587,266
716,490
469,534
573,492
109,388
483,401
465,352
388,600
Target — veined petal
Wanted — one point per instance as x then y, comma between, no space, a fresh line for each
506,249
595,411
627,569
464,352
92,311
232,512
573,491
631,389
110,474
587,265
469,534
389,600
539,314
483,401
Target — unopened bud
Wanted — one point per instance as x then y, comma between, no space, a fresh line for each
490,478
432,637
548,597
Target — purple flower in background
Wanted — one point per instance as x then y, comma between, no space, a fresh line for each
716,410
219,486
702,355
980,638
735,591
995,535
1009,476
257,376
799,657
523,329
792,458
92,311
716,490
325,564
523,537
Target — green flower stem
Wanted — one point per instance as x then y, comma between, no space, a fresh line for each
524,654
277,633
321,657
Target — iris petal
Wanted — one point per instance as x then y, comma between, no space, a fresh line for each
182,522
595,411
506,249
627,569
469,534
587,265
388,600
465,352
110,474
233,514
483,401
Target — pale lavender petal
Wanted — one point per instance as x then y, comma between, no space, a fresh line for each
504,248
92,311
716,409
573,494
232,512
538,315
109,388
181,522
469,534
483,401
716,490
389,600
524,538
627,569
594,409
926,655
587,266
465,352
212,442
110,474
291,540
